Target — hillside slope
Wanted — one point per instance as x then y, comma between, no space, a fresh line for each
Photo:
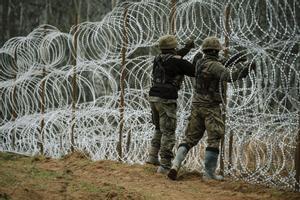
76,177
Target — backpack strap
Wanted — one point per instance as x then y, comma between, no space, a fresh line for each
158,72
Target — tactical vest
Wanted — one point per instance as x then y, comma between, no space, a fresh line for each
206,84
159,76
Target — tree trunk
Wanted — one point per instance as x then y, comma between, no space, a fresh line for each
4,19
88,10
21,18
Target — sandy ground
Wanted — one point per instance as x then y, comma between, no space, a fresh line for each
76,177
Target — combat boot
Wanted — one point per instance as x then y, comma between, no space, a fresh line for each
153,156
176,164
211,159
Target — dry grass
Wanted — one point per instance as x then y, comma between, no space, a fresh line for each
76,177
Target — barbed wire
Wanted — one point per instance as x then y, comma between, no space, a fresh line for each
37,84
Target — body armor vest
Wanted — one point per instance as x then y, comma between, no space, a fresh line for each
159,76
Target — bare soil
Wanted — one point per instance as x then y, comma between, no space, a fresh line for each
76,177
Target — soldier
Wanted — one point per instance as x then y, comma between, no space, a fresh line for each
168,71
206,110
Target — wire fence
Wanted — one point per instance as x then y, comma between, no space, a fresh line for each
87,89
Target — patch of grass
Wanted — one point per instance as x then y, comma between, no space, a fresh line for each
47,174
148,169
114,165
87,187
38,158
10,156
4,196
91,188
276,193
7,179
83,163
151,196
43,174
96,188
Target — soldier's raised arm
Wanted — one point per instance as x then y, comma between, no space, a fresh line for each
218,70
186,49
186,68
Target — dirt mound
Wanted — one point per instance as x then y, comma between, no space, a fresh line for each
75,156
77,177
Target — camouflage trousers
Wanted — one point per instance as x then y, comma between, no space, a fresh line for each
201,119
164,119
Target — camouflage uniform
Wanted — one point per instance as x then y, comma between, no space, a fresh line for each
167,75
207,100
164,120
201,119
206,111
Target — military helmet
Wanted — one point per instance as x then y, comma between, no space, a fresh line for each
167,42
211,43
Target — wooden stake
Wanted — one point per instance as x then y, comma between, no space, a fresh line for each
297,159
74,85
41,144
172,16
297,153
122,85
227,31
14,104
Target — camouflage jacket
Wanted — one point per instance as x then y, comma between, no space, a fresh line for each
210,77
